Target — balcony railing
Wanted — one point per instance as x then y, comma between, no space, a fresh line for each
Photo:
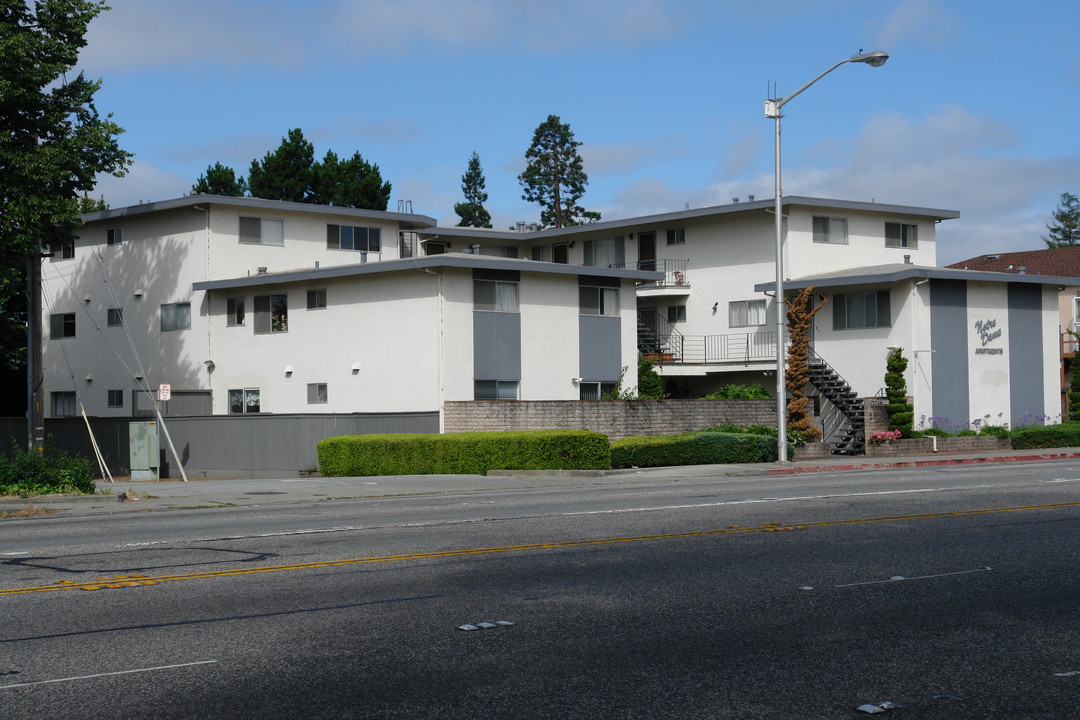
674,272
730,348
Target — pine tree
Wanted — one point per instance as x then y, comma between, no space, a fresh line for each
1065,230
472,211
555,177
800,316
901,412
285,173
220,180
354,183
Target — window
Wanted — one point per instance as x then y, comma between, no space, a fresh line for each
495,389
676,236
116,398
901,235
316,394
62,325
234,311
595,390
115,317
606,252
271,313
64,404
436,248
62,249
262,231
746,313
175,316
599,300
830,230
114,236
861,310
406,243
676,314
349,237
316,299
243,400
495,295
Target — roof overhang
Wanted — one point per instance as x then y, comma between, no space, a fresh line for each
406,220
885,274
428,262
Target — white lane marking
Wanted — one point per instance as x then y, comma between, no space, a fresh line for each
900,578
283,533
1063,480
98,675
13,554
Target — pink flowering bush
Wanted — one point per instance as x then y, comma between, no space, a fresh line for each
884,436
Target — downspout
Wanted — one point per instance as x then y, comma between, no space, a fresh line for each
208,364
915,340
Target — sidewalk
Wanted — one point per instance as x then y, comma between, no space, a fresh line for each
210,493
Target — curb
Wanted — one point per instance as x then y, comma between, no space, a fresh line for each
923,463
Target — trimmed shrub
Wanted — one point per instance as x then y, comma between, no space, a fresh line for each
700,448
739,392
995,430
1046,436
53,471
463,453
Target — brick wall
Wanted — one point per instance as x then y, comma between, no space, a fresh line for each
925,446
614,418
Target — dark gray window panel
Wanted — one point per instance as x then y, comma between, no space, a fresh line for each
948,338
599,348
594,281
1025,343
507,275
496,346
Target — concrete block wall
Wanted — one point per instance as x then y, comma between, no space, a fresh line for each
925,446
614,418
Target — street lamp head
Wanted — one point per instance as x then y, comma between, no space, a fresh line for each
876,58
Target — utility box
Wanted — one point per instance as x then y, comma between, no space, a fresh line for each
143,450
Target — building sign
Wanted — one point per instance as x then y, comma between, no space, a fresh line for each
164,392
989,333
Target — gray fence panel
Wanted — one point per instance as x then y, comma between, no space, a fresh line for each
224,445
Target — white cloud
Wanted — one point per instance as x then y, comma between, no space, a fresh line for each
920,21
143,183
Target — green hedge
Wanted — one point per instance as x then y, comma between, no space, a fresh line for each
698,448
1046,436
463,453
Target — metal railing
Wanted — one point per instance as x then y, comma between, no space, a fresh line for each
729,348
674,272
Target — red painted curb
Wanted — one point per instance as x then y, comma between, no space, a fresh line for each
922,463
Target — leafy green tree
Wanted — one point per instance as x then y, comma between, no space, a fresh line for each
354,183
53,141
555,177
220,180
285,173
1065,230
901,413
88,204
472,211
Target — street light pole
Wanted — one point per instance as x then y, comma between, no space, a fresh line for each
876,58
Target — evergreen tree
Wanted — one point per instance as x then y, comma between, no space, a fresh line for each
472,211
351,183
901,412
53,143
1065,230
554,176
650,384
220,180
800,316
285,173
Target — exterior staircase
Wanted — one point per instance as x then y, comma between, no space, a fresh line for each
843,425
657,337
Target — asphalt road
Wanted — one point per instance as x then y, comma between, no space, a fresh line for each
951,591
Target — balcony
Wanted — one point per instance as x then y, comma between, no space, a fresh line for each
675,280
660,342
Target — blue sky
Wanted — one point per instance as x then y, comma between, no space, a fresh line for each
975,111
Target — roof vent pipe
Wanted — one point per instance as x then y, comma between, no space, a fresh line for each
1021,270
735,200
907,259
262,270
749,198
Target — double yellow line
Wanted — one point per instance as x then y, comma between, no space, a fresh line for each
122,581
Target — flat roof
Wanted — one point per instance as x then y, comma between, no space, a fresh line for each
689,214
446,260
897,272
407,220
